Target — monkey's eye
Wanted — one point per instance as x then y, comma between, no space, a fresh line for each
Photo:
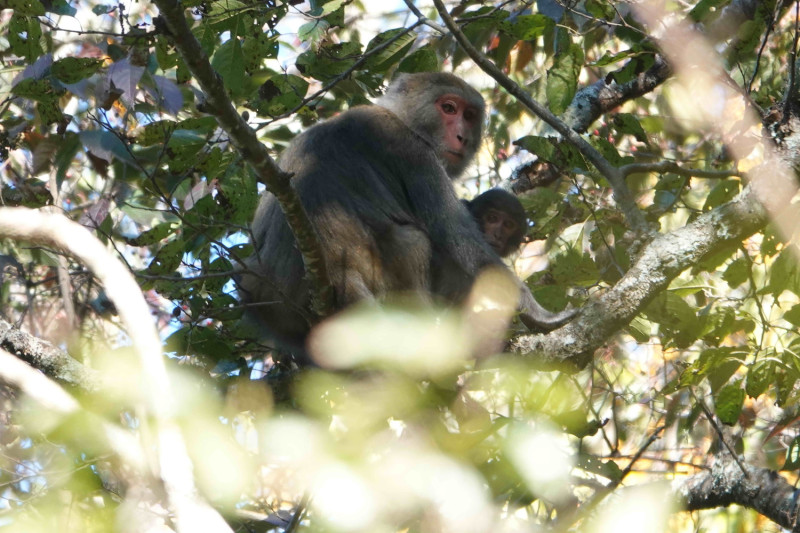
470,114
449,108
491,218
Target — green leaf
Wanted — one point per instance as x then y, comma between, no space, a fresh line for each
228,61
207,342
24,36
329,61
759,377
183,148
167,259
49,112
600,10
156,132
103,9
66,155
737,272
281,94
784,274
37,90
313,31
723,192
526,27
607,469
62,7
792,455
331,6
421,60
793,315
628,124
703,8
728,403
258,47
391,54
562,78
106,145
73,69
609,58
155,234
540,146
610,151
33,8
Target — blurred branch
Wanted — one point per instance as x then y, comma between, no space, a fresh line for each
252,150
64,281
52,397
569,518
726,484
621,192
173,464
50,360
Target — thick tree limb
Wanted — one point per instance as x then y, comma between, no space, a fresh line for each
760,489
659,263
50,360
252,150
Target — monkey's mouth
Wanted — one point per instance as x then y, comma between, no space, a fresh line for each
454,156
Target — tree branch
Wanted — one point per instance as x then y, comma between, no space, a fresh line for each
591,102
50,360
252,150
726,484
660,262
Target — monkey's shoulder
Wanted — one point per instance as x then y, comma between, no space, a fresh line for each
368,122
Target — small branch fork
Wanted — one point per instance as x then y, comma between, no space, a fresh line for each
252,150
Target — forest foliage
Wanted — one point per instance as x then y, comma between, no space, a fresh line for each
104,118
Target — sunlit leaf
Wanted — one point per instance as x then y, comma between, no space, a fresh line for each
74,69
728,403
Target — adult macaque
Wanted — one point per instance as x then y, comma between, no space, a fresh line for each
376,184
501,218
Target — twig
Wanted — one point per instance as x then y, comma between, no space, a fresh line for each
570,518
671,166
298,514
718,430
252,151
423,19
790,97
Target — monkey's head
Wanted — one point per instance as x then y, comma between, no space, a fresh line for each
501,218
442,109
